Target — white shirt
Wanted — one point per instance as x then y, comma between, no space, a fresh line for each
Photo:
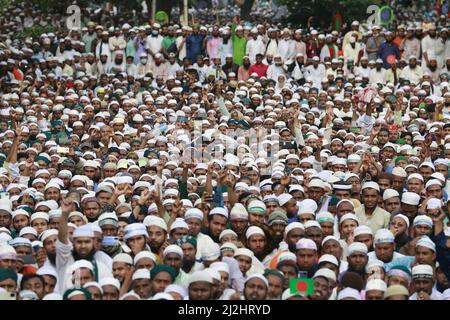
435,295
64,260
286,49
316,74
253,48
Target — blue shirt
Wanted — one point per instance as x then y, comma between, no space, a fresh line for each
387,49
194,48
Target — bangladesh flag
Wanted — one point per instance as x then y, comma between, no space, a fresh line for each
302,285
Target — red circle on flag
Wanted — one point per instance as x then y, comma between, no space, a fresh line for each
301,286
391,59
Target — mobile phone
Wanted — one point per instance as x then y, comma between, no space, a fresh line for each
110,241
28,259
182,119
36,248
355,129
62,150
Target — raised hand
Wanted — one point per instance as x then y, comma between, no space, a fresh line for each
66,205
145,196
285,181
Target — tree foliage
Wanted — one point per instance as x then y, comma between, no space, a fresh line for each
323,11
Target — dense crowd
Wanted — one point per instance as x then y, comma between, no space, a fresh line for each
224,162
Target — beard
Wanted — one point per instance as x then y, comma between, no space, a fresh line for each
292,247
52,258
433,68
155,246
187,265
88,257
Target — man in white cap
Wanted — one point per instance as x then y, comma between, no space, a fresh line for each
391,201
384,243
82,248
357,258
369,213
375,289
256,287
200,286
306,252
423,283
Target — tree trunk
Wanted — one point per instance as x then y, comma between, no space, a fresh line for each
246,9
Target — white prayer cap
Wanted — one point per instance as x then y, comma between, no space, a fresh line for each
384,236
328,238
220,211
400,172
349,293
349,216
415,176
141,274
83,231
109,281
53,296
142,255
372,185
362,230
312,223
162,295
48,233
133,230
402,216
200,276
376,284
253,230
374,262
227,232
27,230
177,289
305,243
422,271
292,226
173,248
193,213
423,220
433,182
307,206
258,276
238,212
425,241
123,257
328,258
390,193
326,273
357,247
316,183
210,252
179,223
244,252
155,221
220,266
284,198
213,273
410,198
47,270
81,264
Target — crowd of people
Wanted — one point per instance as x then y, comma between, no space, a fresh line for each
223,162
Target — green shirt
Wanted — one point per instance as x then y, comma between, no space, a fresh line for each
168,41
239,46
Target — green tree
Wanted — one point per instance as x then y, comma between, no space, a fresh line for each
320,13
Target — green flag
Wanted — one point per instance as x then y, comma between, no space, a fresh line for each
302,286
